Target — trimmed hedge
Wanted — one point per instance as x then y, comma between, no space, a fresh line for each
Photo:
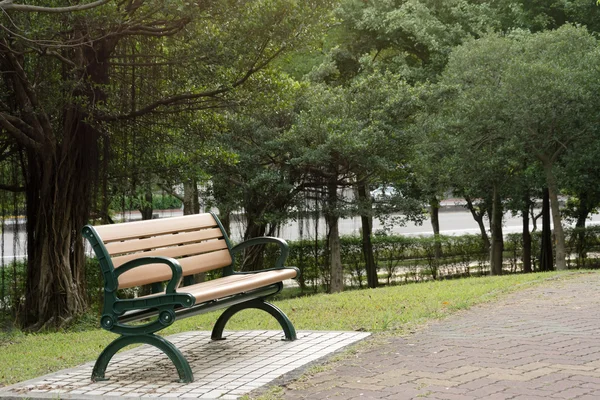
413,258
405,258
398,259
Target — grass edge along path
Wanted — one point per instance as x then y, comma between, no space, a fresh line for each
394,309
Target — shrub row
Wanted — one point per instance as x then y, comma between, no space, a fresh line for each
414,258
397,258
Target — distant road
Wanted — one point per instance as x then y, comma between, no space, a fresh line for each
13,250
451,223
455,222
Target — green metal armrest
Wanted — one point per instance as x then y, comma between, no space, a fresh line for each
283,247
171,262
169,298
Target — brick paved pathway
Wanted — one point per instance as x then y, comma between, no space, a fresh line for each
542,343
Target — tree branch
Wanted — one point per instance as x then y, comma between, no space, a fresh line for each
25,91
169,190
142,64
58,56
8,5
16,133
163,102
12,188
21,125
159,31
173,100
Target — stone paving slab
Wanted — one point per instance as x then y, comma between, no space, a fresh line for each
225,369
541,343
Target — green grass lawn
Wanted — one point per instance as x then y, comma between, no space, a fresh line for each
396,309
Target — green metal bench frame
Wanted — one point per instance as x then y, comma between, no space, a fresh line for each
170,304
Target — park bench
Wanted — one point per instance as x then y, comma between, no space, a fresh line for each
171,251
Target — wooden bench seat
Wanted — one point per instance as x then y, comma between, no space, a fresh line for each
166,254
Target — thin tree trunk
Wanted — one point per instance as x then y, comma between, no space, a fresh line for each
253,256
497,236
559,234
104,212
191,204
225,218
333,240
434,212
526,235
546,259
583,211
367,244
478,217
146,205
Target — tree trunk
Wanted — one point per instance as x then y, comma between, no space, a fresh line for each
497,236
253,256
191,203
259,224
191,206
526,235
367,245
146,205
478,217
59,186
58,190
546,259
225,218
559,234
583,210
104,211
434,212
333,240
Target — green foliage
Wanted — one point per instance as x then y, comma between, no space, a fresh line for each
514,101
547,15
414,38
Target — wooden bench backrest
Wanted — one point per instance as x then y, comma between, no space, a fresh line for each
196,241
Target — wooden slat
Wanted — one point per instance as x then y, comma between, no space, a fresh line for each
175,251
235,284
133,245
160,272
205,262
130,230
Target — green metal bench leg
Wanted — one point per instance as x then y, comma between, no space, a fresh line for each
183,368
286,324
